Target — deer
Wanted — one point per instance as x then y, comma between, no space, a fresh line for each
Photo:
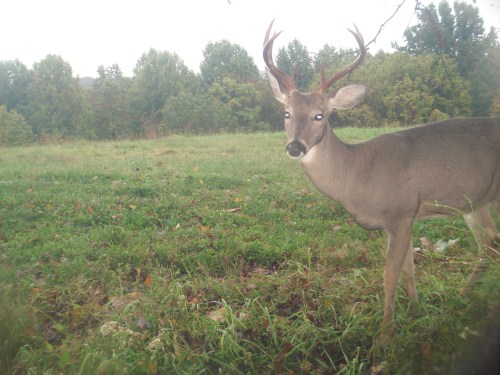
439,169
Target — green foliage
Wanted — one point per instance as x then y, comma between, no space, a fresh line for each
14,131
243,99
57,106
405,89
159,75
457,33
225,59
295,59
198,114
227,106
110,104
485,80
14,81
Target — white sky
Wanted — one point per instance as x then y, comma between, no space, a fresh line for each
89,33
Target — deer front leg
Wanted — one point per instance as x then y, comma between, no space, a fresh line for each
397,252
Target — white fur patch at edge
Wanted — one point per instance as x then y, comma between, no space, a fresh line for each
307,158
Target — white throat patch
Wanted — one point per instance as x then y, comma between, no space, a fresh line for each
309,157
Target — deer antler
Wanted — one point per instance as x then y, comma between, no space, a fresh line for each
286,82
326,83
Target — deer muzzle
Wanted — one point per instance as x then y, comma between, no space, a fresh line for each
295,149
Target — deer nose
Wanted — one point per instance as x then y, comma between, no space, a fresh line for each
295,149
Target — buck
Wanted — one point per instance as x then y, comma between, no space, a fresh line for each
395,179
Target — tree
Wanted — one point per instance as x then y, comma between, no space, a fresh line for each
56,104
14,130
244,102
271,113
485,81
228,106
14,82
407,90
225,59
327,55
158,76
109,99
294,59
457,33
198,114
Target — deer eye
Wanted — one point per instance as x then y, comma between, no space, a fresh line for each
287,114
318,117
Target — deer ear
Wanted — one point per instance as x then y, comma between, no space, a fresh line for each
278,94
347,97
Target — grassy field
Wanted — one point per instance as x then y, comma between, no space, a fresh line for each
193,255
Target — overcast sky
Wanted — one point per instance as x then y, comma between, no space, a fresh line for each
89,33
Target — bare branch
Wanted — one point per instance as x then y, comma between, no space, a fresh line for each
387,21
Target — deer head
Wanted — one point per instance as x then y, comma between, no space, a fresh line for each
306,114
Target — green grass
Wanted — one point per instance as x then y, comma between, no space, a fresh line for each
213,255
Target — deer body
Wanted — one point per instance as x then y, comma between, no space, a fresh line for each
420,185
445,168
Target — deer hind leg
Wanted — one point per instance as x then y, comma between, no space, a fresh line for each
487,238
408,271
399,242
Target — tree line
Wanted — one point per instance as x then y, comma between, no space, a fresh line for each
447,67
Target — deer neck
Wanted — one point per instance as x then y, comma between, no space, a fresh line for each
329,165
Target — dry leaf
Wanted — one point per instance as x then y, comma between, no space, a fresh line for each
126,299
36,238
260,271
379,369
426,243
218,315
148,281
280,357
250,286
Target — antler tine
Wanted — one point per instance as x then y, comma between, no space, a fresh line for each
266,39
325,84
284,80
